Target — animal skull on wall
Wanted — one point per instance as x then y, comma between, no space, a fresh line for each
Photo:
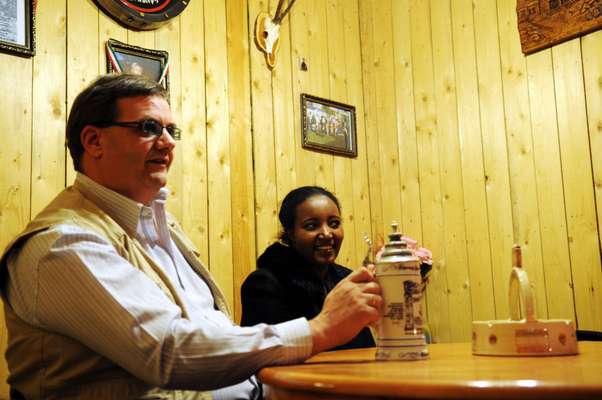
267,31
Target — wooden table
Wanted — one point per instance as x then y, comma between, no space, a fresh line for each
452,372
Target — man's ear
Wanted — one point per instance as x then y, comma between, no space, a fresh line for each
91,141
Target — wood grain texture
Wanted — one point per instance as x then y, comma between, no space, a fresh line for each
578,190
343,186
428,146
49,158
167,38
592,76
83,53
473,173
451,372
372,141
525,215
262,113
359,166
495,150
241,148
548,170
411,220
218,147
454,221
15,178
384,113
193,146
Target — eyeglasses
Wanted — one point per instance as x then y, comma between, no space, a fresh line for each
149,127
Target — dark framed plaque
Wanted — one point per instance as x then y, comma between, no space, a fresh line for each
125,58
142,14
17,27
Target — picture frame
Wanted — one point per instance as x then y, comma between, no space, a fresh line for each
328,126
126,58
17,27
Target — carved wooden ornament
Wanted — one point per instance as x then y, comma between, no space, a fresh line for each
544,23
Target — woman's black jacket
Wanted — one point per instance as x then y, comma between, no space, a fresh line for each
284,287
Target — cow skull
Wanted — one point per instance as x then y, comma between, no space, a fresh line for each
267,31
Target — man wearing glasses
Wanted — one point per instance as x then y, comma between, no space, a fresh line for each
106,298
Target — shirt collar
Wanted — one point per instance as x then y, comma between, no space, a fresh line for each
125,211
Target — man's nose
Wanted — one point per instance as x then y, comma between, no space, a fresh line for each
165,140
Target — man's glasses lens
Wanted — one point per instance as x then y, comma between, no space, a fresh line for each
152,127
149,127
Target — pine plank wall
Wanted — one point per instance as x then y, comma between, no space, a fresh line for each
468,143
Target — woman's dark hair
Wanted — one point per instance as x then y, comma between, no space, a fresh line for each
288,209
97,104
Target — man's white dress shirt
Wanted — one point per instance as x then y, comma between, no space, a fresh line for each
70,280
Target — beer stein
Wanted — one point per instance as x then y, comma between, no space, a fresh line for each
401,329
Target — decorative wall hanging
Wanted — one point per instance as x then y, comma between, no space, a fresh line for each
142,14
267,31
328,126
17,27
544,23
153,64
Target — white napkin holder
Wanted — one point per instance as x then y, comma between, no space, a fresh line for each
523,334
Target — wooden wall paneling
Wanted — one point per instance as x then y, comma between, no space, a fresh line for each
548,171
168,38
473,171
108,28
343,186
592,72
318,85
453,225
302,50
520,153
193,145
241,147
411,221
266,203
15,178
49,98
82,54
359,166
495,153
578,185
370,122
286,123
218,147
388,140
428,152
146,39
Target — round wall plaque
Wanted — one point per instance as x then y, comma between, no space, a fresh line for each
142,14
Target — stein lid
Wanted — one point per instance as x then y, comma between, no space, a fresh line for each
397,247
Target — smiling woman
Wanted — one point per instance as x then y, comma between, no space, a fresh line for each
294,275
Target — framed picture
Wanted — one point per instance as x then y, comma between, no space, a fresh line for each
17,27
125,58
328,126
